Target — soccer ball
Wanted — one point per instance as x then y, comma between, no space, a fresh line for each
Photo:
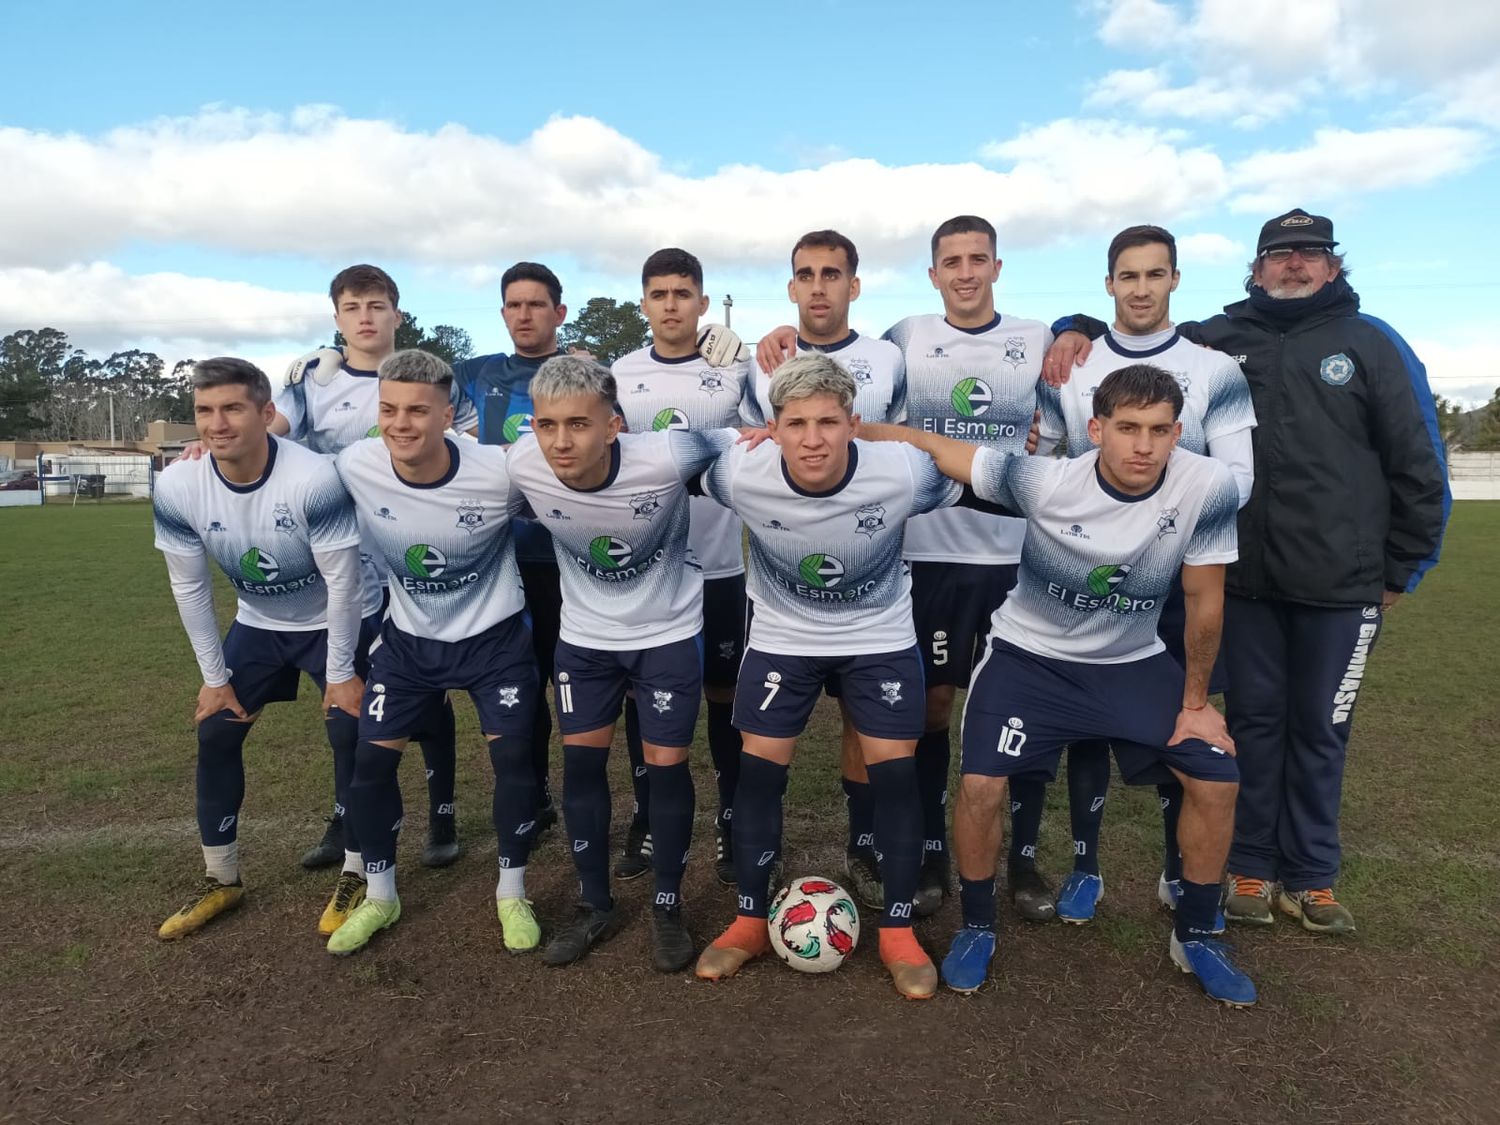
814,925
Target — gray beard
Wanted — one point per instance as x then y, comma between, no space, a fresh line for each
1290,292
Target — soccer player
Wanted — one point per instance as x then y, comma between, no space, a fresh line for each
1217,420
282,529
328,400
970,373
668,385
827,518
1074,653
632,617
438,518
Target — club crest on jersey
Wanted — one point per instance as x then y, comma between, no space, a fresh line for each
860,371
711,381
384,514
284,521
1336,370
1015,350
1182,380
890,691
470,515
510,696
661,701
1166,523
645,505
869,519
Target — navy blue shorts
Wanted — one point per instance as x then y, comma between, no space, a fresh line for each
266,664
409,676
884,693
951,604
1022,709
723,630
589,685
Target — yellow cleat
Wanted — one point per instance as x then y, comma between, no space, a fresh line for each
213,898
368,919
518,924
348,893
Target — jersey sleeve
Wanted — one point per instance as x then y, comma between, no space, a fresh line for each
930,488
1013,481
175,533
898,334
291,404
1229,406
692,451
717,481
896,415
753,409
1215,536
1054,424
329,510
465,413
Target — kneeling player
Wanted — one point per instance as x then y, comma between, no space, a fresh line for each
439,521
632,615
1074,654
281,528
827,517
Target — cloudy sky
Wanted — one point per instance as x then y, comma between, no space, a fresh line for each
188,180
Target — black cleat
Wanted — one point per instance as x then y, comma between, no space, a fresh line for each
724,863
330,849
932,885
1031,893
635,860
546,818
863,870
442,846
589,926
671,944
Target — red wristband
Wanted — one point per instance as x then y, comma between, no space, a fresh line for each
1200,707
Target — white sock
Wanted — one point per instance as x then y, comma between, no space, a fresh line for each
512,882
353,863
382,884
223,862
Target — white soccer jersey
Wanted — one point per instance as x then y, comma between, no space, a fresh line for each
1215,397
688,394
445,547
328,417
980,385
263,535
826,576
877,369
629,578
1098,563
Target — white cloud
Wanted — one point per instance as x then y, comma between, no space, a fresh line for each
1221,97
1209,249
1464,371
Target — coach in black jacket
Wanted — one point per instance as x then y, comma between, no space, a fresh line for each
1346,515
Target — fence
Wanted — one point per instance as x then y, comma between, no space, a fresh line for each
66,475
1474,476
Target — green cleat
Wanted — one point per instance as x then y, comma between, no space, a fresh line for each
519,925
372,916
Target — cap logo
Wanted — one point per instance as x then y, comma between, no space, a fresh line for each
1297,221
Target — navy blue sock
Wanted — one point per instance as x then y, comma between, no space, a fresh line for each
1088,784
343,736
376,804
861,814
440,757
541,748
757,830
672,807
1028,799
724,748
933,755
898,835
586,813
640,785
221,778
976,898
513,807
1196,910
1170,796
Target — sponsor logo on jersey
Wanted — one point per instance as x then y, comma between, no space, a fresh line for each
470,515
509,696
970,397
869,519
775,525
640,389
373,431
1354,674
1336,370
710,381
890,691
427,570
613,560
557,514
1103,592
516,425
861,372
822,580
820,571
669,418
1166,523
1075,532
284,521
609,553
344,407
384,514
1015,350
937,353
645,505
259,566
1104,579
215,525
425,561
661,701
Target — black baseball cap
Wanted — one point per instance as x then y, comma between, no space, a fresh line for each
1296,228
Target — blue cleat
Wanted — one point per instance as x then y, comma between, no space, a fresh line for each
968,960
1169,892
1079,896
1209,962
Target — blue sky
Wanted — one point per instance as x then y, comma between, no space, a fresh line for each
188,179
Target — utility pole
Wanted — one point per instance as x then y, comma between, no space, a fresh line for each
728,304
111,416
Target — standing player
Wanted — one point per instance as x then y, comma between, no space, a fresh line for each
670,386
328,400
827,518
632,617
971,373
1074,651
280,526
1217,420
439,521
